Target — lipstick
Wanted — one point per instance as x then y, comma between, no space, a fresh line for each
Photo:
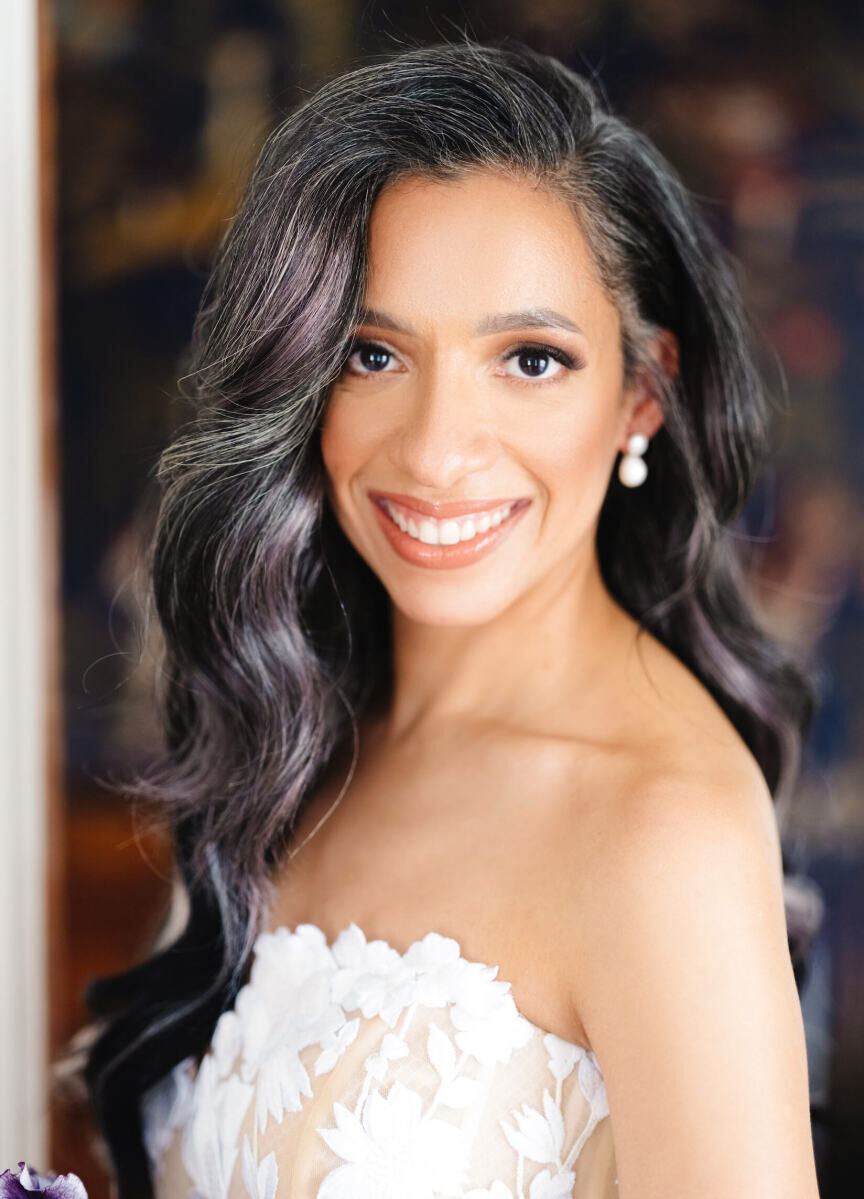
445,534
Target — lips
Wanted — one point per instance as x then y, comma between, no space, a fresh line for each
462,552
441,509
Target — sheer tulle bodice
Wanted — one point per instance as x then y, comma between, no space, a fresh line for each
351,1071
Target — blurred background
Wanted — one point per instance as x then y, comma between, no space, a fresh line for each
159,108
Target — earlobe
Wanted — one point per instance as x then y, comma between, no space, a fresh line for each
646,413
647,416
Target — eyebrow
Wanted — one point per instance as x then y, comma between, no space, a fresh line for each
528,318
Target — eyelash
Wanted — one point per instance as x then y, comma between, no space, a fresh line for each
568,361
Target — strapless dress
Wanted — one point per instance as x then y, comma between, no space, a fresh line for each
352,1071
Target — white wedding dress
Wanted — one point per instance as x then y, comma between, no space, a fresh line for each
351,1071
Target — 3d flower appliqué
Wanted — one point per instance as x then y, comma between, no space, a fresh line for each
393,1152
538,1137
593,1087
378,1075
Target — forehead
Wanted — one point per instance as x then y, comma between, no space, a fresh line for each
484,242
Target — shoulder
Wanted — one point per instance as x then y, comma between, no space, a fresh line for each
709,805
683,982
677,785
692,820
690,794
690,853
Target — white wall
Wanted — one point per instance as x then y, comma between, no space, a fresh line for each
23,615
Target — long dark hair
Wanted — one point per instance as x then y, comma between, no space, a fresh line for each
276,633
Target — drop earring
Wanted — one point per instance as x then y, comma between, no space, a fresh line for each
632,469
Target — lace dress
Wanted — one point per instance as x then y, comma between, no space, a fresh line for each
351,1071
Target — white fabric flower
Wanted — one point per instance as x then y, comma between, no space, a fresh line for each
539,1137
285,959
352,952
384,995
305,1016
371,976
281,1081
394,1153
392,1048
407,1143
439,966
334,1044
285,1006
291,979
441,1053
255,1024
260,1178
498,1190
165,1107
563,1055
593,1087
489,1023
226,1042
552,1186
354,957
211,1138
454,1091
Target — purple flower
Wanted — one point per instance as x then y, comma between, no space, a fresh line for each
25,1182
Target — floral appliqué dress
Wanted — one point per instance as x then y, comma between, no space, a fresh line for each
351,1071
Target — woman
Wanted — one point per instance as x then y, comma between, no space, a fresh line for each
472,738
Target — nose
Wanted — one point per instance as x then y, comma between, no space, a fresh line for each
446,432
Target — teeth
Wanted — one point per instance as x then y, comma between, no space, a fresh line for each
447,532
428,532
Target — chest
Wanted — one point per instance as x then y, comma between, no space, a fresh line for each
486,850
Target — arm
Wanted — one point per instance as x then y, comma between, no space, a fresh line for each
689,1000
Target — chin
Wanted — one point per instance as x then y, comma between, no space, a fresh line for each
451,606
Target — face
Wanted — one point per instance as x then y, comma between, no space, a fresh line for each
469,441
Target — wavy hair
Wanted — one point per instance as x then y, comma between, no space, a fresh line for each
275,631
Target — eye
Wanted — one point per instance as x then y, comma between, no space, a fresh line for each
535,358
370,358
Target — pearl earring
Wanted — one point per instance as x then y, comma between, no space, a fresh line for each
632,469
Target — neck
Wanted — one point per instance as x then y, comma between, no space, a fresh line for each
546,652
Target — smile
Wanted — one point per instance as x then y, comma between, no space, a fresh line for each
424,540
445,532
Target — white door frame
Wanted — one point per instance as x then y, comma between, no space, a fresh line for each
27,604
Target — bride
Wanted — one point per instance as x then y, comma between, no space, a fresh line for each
471,736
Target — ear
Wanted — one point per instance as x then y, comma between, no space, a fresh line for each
665,351
644,412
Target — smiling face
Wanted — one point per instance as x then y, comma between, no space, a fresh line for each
485,382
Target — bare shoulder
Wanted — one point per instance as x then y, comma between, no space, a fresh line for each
678,776
681,757
687,807
697,798
681,971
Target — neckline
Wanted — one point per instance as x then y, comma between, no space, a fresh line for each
420,968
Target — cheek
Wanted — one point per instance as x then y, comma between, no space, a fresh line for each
571,453
351,440
343,439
